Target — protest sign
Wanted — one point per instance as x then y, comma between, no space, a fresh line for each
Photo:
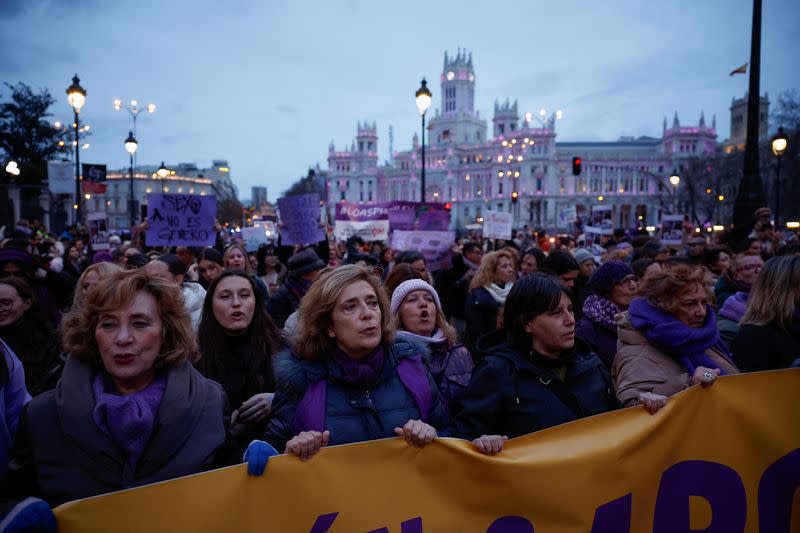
434,245
61,177
300,219
719,458
98,231
94,178
434,220
253,238
368,221
567,216
181,219
497,225
601,220
672,229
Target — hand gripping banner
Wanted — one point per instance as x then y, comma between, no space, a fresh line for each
720,459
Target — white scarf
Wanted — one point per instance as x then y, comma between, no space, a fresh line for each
436,338
499,294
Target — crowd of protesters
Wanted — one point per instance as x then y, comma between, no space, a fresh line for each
134,364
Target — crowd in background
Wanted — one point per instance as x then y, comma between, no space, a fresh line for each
136,364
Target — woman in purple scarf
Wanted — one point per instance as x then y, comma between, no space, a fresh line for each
668,338
346,380
130,408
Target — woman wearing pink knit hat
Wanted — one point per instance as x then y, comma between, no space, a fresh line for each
418,318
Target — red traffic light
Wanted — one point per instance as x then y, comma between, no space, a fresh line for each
576,166
448,206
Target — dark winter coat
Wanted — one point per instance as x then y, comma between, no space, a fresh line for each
725,288
60,454
509,394
352,414
282,304
480,314
452,288
764,348
600,340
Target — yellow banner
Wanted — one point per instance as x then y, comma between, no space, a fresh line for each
721,459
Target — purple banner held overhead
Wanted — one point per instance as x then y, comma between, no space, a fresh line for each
300,219
181,220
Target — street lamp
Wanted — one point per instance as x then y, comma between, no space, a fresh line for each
130,146
675,180
423,96
76,96
162,172
779,143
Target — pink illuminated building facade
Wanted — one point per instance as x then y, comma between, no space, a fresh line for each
477,169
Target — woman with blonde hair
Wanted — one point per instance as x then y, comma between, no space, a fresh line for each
347,380
130,408
487,294
418,318
91,277
235,258
769,332
668,338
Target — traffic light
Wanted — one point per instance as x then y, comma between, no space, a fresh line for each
576,166
514,197
448,206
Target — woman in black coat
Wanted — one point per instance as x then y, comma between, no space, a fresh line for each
769,333
130,409
531,375
489,289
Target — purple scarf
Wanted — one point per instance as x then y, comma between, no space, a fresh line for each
127,420
684,344
734,307
362,373
601,311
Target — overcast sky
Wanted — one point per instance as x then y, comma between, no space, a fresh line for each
268,84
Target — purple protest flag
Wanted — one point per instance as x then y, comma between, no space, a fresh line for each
300,219
181,220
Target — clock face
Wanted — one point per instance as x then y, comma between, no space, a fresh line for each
451,75
472,77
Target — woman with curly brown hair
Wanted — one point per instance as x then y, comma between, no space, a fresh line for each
668,339
130,409
347,380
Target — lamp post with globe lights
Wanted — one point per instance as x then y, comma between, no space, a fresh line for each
423,99
162,172
779,144
130,146
76,96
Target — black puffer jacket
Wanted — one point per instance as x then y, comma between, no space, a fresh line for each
509,394
60,454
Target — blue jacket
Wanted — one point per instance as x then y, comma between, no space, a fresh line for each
511,395
12,397
352,414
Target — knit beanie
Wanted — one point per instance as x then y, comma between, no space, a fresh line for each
608,275
582,254
407,287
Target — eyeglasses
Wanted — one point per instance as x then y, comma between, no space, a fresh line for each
630,278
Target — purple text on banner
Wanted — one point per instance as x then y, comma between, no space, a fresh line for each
181,220
362,212
300,219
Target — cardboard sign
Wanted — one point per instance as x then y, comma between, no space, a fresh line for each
434,245
672,229
567,216
601,221
61,177
497,225
98,231
181,219
300,219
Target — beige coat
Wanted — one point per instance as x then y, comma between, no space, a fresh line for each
639,367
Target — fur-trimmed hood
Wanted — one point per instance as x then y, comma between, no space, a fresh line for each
297,375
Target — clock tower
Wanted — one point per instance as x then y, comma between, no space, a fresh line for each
456,121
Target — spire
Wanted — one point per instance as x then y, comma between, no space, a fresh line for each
702,120
714,121
330,146
675,124
469,61
664,128
445,59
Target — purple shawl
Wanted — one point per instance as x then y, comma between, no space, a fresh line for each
734,307
684,344
128,420
363,373
601,311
